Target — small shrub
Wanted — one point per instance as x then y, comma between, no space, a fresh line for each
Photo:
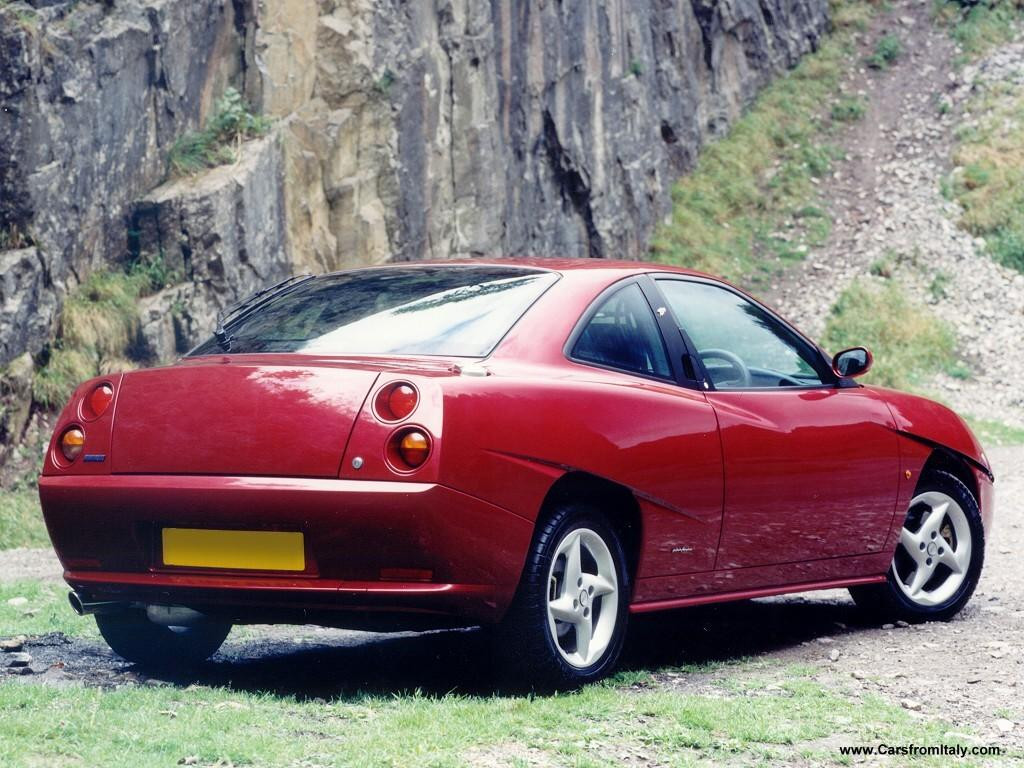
887,50
881,268
231,124
1007,247
975,175
849,109
636,68
385,81
908,341
937,287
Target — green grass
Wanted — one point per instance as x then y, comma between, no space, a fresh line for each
982,27
887,51
908,341
216,144
741,213
989,181
759,714
216,726
21,521
98,328
849,109
47,610
995,432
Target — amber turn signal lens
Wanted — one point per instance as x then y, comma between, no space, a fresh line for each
72,442
100,399
414,448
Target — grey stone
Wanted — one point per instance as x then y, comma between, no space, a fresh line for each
223,233
18,659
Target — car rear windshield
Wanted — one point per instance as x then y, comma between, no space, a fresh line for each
457,311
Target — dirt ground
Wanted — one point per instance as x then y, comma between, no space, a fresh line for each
969,672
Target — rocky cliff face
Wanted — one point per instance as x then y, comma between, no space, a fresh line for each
404,130
92,97
551,128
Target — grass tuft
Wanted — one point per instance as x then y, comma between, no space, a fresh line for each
231,124
98,329
888,49
908,341
849,109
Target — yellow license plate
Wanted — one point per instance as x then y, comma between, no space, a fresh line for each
237,550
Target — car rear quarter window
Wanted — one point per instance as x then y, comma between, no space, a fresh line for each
451,311
623,334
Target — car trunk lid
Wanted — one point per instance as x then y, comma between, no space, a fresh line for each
287,417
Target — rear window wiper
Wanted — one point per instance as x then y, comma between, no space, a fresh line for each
246,306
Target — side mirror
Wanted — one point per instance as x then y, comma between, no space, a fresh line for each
852,362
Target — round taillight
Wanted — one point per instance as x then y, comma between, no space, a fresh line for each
100,400
396,402
414,448
72,442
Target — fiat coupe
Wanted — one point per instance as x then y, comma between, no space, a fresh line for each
541,447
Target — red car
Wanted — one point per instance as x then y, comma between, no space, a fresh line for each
545,447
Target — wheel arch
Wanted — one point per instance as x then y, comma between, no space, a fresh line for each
943,460
616,501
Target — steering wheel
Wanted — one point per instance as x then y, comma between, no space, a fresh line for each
742,373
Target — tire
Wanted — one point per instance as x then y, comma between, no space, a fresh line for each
137,639
923,583
533,648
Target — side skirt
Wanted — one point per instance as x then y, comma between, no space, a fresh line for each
749,594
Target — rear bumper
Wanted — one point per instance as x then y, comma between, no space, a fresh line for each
107,532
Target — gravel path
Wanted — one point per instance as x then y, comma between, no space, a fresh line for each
29,565
888,208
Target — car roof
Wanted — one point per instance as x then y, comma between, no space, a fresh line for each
561,265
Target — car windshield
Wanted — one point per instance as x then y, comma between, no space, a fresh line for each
456,311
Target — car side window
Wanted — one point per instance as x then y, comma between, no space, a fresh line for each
741,345
624,334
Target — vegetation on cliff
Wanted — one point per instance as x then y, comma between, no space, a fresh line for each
751,204
217,144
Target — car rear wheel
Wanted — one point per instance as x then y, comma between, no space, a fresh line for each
134,637
568,621
938,558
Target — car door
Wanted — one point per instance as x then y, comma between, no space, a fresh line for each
811,465
648,427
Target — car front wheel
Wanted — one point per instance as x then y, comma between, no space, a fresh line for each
568,621
938,559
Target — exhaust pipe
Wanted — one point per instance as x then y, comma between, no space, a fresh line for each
86,608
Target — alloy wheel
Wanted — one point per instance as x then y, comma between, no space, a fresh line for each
582,597
934,554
